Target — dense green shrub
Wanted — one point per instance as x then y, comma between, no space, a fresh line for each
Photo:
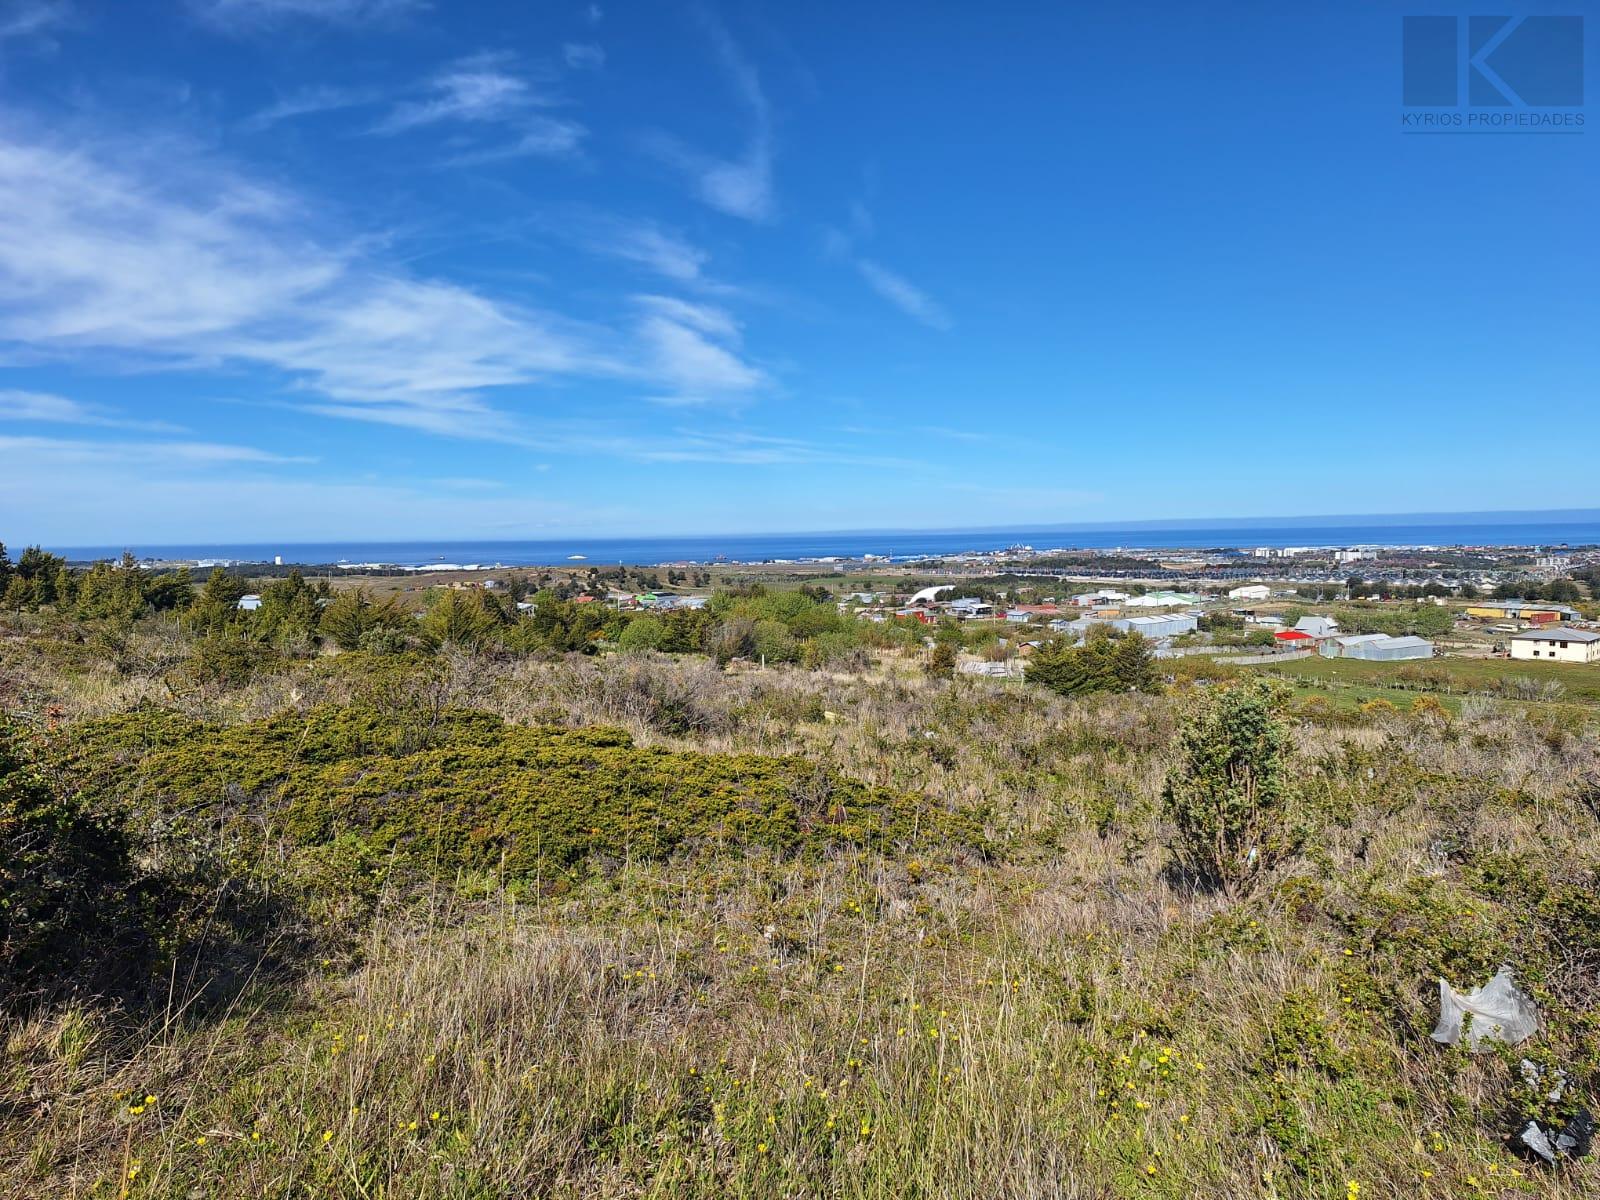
1102,664
1230,797
226,661
60,864
467,792
642,634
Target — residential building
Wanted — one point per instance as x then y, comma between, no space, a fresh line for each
1558,644
929,594
1318,627
969,608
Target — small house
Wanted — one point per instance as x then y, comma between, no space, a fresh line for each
1557,644
1318,627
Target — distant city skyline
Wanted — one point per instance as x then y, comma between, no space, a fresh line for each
302,270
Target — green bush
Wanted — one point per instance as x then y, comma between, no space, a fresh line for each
1230,797
641,634
1104,663
466,792
61,864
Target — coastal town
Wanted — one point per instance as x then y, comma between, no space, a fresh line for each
1253,607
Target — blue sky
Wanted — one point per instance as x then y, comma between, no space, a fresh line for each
321,269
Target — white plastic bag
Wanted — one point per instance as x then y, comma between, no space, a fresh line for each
1499,1012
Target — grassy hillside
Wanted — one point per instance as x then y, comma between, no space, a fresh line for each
857,934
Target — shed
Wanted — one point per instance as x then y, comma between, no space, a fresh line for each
1157,627
1383,648
1338,647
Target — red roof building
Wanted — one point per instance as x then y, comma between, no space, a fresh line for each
1292,637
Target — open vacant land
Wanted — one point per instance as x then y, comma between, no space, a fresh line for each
475,923
1496,677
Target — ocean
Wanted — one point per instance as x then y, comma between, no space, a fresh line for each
1568,528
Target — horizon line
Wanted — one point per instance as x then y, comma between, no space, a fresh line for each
1221,524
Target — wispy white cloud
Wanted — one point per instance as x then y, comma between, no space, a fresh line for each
62,452
583,56
903,294
45,408
479,88
741,185
642,242
252,14
196,268
309,102
174,262
695,349
649,245
30,18
540,136
891,285
488,89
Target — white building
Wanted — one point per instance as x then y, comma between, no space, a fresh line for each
1318,627
970,608
1163,600
249,603
1557,643
1251,591
929,594
1095,599
1156,627
1376,647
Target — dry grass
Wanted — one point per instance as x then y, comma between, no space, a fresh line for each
1063,1021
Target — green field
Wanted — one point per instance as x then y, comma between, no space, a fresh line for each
1497,677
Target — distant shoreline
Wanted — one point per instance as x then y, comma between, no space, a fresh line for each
899,546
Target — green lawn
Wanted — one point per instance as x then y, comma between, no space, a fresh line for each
1498,677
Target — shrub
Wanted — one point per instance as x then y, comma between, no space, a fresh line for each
60,864
1230,798
476,794
227,662
1102,664
642,634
